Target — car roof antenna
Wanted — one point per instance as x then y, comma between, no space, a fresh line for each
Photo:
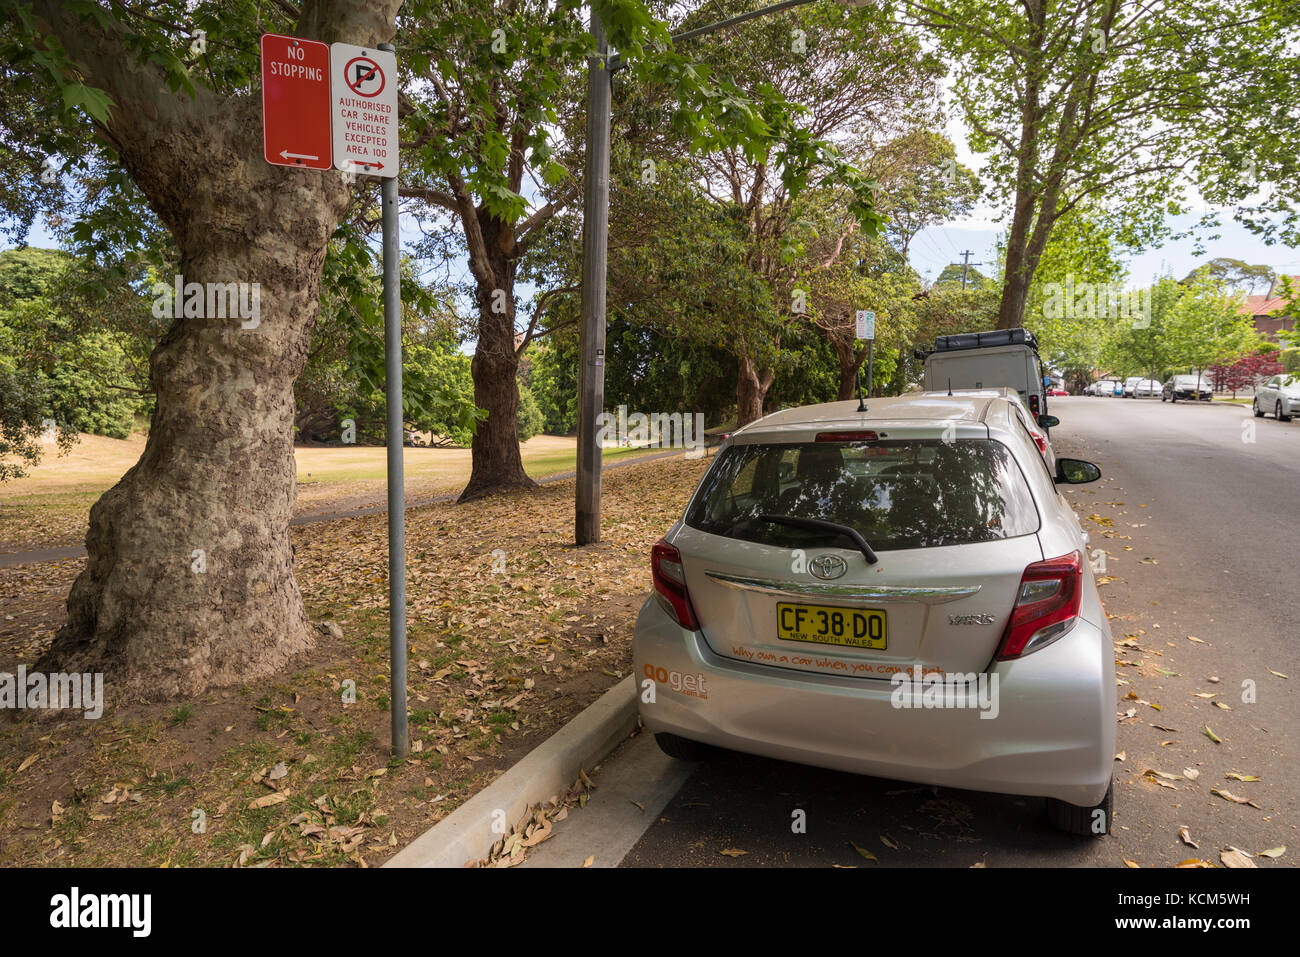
950,385
857,381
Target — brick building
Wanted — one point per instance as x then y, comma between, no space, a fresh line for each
1259,307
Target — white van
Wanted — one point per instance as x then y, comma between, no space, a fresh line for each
988,360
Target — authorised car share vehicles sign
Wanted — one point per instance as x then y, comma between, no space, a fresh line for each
363,98
295,102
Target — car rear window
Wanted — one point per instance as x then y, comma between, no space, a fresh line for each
907,493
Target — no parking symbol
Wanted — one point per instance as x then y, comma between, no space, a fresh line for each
364,76
363,97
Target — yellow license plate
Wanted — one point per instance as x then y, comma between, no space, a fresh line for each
829,625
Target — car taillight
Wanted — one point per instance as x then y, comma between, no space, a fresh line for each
1033,404
670,582
1046,605
854,436
1040,441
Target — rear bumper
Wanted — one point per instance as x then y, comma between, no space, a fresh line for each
1053,733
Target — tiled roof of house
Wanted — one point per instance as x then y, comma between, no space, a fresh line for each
1263,305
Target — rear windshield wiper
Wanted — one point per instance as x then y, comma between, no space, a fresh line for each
818,525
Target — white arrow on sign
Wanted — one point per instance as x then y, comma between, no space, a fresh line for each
285,154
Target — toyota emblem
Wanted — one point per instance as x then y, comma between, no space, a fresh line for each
828,566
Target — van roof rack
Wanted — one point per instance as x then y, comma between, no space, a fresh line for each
984,340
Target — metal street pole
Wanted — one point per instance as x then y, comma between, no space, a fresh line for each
396,477
595,238
871,357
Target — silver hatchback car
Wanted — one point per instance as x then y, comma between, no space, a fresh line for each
901,592
1280,395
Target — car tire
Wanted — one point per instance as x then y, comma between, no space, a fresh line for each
1079,820
684,749
1277,411
1254,407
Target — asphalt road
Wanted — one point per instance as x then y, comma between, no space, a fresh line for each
1200,522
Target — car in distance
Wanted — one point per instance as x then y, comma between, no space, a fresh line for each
1129,390
1279,395
1147,388
1108,387
834,564
1187,387
1058,392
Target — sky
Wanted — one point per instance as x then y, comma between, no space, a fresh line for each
936,247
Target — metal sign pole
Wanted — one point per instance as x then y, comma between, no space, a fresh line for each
396,477
871,355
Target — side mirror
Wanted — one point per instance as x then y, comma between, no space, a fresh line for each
1076,471
1048,421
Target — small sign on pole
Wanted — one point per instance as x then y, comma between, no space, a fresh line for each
866,324
295,102
363,84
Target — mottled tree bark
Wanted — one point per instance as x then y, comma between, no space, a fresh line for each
189,582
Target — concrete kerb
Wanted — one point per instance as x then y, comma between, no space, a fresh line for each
466,834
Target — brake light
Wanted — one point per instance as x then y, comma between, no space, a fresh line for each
1040,441
857,436
670,582
1033,404
1046,605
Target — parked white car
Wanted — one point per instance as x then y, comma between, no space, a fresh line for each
1280,395
833,565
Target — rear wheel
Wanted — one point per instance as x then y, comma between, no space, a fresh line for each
684,749
1278,412
1093,821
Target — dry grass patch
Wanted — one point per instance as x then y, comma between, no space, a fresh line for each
50,508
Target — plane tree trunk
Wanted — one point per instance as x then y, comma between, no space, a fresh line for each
189,582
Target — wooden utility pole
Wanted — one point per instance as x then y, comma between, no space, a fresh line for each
595,243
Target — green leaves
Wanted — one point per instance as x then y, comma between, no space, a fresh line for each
96,103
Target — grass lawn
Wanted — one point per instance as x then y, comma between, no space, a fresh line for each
50,506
